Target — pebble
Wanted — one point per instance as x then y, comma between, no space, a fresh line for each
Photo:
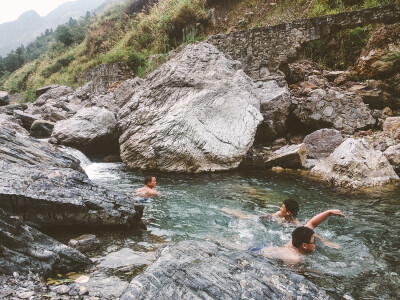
62,289
26,295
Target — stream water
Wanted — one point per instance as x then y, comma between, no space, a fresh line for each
367,266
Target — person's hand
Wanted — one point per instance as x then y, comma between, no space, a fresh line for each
337,213
331,244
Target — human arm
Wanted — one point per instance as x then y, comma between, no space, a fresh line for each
318,219
239,214
327,243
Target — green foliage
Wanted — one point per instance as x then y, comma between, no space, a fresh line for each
60,63
30,95
339,51
64,35
18,80
137,62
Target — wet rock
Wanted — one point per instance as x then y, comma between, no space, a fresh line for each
12,123
204,270
255,158
103,286
47,187
4,100
322,143
275,104
25,118
196,113
124,92
25,249
355,164
92,130
325,109
291,157
391,127
41,129
85,243
126,257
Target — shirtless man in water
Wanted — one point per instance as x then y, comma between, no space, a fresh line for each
147,191
302,240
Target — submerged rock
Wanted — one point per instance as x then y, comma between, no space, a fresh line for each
196,113
355,164
47,187
24,249
204,270
92,130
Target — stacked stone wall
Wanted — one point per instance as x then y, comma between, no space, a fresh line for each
263,51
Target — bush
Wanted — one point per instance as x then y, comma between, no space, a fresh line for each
137,62
30,95
58,65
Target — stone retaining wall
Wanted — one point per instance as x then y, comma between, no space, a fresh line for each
263,50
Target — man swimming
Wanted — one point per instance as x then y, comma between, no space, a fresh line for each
302,242
287,213
147,191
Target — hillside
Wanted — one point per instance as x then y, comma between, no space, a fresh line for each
126,33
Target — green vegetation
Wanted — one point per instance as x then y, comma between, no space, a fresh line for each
143,39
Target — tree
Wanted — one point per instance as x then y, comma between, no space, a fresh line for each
64,35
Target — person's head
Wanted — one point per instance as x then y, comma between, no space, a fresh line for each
290,207
303,239
150,181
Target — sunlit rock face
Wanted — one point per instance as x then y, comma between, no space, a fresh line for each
198,112
355,164
47,187
204,270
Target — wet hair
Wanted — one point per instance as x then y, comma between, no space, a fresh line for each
301,235
292,206
148,179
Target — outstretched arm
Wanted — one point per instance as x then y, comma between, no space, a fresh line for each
239,214
318,219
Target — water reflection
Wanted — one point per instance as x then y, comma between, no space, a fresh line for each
366,266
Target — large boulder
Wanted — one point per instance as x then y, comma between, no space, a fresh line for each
198,112
124,92
4,100
41,129
92,130
9,109
204,270
290,156
325,109
47,187
24,249
322,143
355,164
275,104
25,118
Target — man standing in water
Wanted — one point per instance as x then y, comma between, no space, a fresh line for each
302,240
147,191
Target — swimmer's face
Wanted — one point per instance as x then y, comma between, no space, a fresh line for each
152,183
284,211
310,246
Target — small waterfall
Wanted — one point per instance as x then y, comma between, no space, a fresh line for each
85,161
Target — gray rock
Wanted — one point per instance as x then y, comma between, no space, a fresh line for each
393,155
105,286
291,156
54,92
355,164
275,104
12,123
85,243
25,118
9,109
196,113
124,92
62,289
322,143
41,129
391,127
92,130
204,270
324,109
126,257
4,100
84,92
42,90
47,187
24,249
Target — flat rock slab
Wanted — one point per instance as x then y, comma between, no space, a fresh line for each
47,187
204,270
290,156
25,249
126,257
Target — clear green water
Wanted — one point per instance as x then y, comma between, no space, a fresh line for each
367,266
